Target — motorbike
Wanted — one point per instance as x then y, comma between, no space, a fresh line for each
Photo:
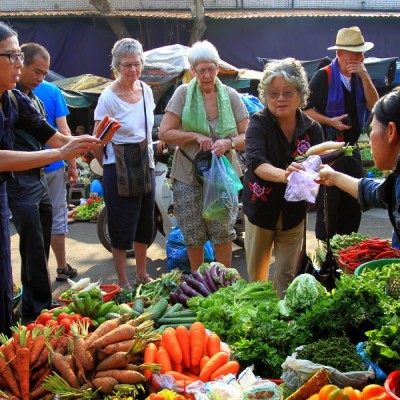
164,219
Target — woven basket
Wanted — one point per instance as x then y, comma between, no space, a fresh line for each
392,385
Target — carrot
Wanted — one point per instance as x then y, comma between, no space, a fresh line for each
23,356
190,374
197,334
62,366
195,369
38,393
149,358
122,332
43,358
8,375
176,366
213,344
217,360
115,361
83,354
105,328
38,346
171,344
63,343
122,376
106,384
231,367
203,361
180,376
125,345
162,358
182,335
205,351
40,380
9,353
37,373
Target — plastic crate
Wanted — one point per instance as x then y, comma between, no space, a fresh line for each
375,264
392,385
17,298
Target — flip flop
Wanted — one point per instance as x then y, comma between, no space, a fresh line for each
146,279
63,274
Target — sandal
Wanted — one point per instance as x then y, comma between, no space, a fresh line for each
127,286
146,279
64,274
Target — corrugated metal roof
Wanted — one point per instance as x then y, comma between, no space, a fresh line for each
225,14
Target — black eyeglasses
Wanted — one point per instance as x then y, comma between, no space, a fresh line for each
13,57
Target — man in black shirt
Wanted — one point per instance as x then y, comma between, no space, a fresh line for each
341,96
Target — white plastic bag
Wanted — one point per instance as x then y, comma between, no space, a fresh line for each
296,372
301,184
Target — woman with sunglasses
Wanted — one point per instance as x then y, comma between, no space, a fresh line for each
385,149
274,137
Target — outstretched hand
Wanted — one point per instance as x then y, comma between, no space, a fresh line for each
103,124
78,145
326,175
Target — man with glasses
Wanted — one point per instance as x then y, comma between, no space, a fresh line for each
341,96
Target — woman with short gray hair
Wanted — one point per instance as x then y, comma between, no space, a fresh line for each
274,137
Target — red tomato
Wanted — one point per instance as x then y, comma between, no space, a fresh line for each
39,326
51,322
31,325
63,315
87,321
66,323
44,317
75,317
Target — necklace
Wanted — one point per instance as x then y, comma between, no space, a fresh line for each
130,92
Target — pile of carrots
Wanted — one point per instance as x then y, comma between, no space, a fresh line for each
188,355
24,360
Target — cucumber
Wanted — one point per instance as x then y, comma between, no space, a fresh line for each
139,306
179,314
174,308
159,309
111,315
176,321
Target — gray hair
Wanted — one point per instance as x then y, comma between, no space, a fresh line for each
203,51
123,47
292,71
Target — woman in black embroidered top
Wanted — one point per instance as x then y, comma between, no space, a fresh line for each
274,137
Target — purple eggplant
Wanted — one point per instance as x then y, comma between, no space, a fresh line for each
211,284
173,296
198,276
221,276
189,291
183,299
214,273
196,285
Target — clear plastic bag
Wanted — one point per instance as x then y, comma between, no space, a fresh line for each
220,193
301,185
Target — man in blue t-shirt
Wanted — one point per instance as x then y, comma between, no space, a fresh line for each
56,114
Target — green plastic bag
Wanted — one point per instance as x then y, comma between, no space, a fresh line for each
220,193
232,173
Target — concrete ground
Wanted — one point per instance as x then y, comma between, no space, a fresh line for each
92,260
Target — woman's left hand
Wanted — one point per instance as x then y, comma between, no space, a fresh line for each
294,166
221,146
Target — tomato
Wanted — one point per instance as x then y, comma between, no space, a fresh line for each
374,391
66,323
353,394
62,316
30,326
51,322
44,317
75,317
326,391
39,326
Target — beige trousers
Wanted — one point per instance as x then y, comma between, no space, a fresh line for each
259,243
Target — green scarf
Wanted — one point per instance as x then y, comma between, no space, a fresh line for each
194,118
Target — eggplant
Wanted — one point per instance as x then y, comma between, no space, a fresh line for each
196,285
221,276
189,291
214,273
199,277
173,296
183,299
212,285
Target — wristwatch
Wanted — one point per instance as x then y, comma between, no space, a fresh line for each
232,144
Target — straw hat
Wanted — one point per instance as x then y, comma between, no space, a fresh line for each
95,167
351,39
